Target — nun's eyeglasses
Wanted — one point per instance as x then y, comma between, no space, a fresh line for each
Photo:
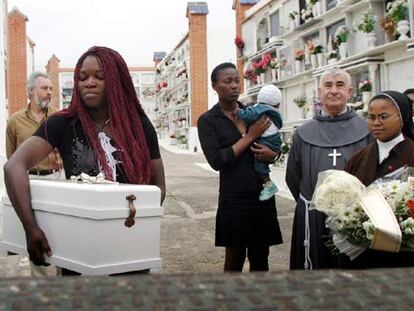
383,117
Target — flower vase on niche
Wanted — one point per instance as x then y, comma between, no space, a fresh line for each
366,96
319,56
343,50
316,9
305,111
389,35
297,21
247,83
402,28
298,66
263,77
274,74
371,39
332,61
314,61
258,79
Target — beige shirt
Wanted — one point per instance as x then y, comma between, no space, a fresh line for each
20,127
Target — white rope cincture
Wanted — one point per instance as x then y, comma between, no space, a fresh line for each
108,149
306,242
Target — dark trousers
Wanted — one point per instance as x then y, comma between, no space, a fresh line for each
236,255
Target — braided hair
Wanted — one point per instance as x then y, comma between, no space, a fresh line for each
125,113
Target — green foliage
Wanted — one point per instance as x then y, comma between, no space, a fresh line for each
367,23
397,10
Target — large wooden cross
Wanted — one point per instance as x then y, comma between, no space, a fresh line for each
334,155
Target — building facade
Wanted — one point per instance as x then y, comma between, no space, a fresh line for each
182,82
62,79
301,39
20,60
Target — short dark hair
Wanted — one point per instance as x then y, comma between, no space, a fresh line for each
408,91
215,72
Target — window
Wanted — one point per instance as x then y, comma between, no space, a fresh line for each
147,78
135,78
313,37
331,34
285,58
275,24
262,34
330,4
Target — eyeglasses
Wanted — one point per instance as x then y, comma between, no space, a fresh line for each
383,117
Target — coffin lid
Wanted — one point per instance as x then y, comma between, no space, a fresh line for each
94,201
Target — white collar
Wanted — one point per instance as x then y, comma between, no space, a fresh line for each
384,148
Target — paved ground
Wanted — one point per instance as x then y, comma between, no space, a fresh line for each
187,228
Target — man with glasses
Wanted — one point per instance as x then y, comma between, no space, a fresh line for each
326,142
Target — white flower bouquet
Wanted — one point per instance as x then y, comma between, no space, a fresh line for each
380,216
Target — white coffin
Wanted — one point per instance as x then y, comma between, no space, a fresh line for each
84,224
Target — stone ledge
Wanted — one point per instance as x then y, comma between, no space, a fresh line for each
384,289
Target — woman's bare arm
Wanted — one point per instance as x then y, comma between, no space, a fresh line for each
31,152
158,176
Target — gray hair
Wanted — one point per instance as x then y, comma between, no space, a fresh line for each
336,71
31,82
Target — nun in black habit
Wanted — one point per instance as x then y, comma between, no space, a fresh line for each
390,122
325,142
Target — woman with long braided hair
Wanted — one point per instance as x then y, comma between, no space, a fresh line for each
104,130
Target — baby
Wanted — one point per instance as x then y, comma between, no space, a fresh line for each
268,99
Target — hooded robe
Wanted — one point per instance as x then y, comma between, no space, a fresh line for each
321,144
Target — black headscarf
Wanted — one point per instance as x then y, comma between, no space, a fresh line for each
403,104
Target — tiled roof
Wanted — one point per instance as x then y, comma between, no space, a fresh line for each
244,2
197,8
159,56
249,1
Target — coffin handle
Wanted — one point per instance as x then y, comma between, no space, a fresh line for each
130,221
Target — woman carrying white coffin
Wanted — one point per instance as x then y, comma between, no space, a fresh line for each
104,130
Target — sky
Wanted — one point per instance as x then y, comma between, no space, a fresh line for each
135,28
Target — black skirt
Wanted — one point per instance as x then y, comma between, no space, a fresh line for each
243,220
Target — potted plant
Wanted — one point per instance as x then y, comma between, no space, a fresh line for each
341,38
367,26
306,13
250,76
398,12
282,65
299,57
312,52
295,19
365,88
332,57
173,139
260,69
316,7
389,27
274,66
284,153
240,44
302,103
319,53
182,141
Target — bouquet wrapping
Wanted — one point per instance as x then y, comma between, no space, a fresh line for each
379,216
